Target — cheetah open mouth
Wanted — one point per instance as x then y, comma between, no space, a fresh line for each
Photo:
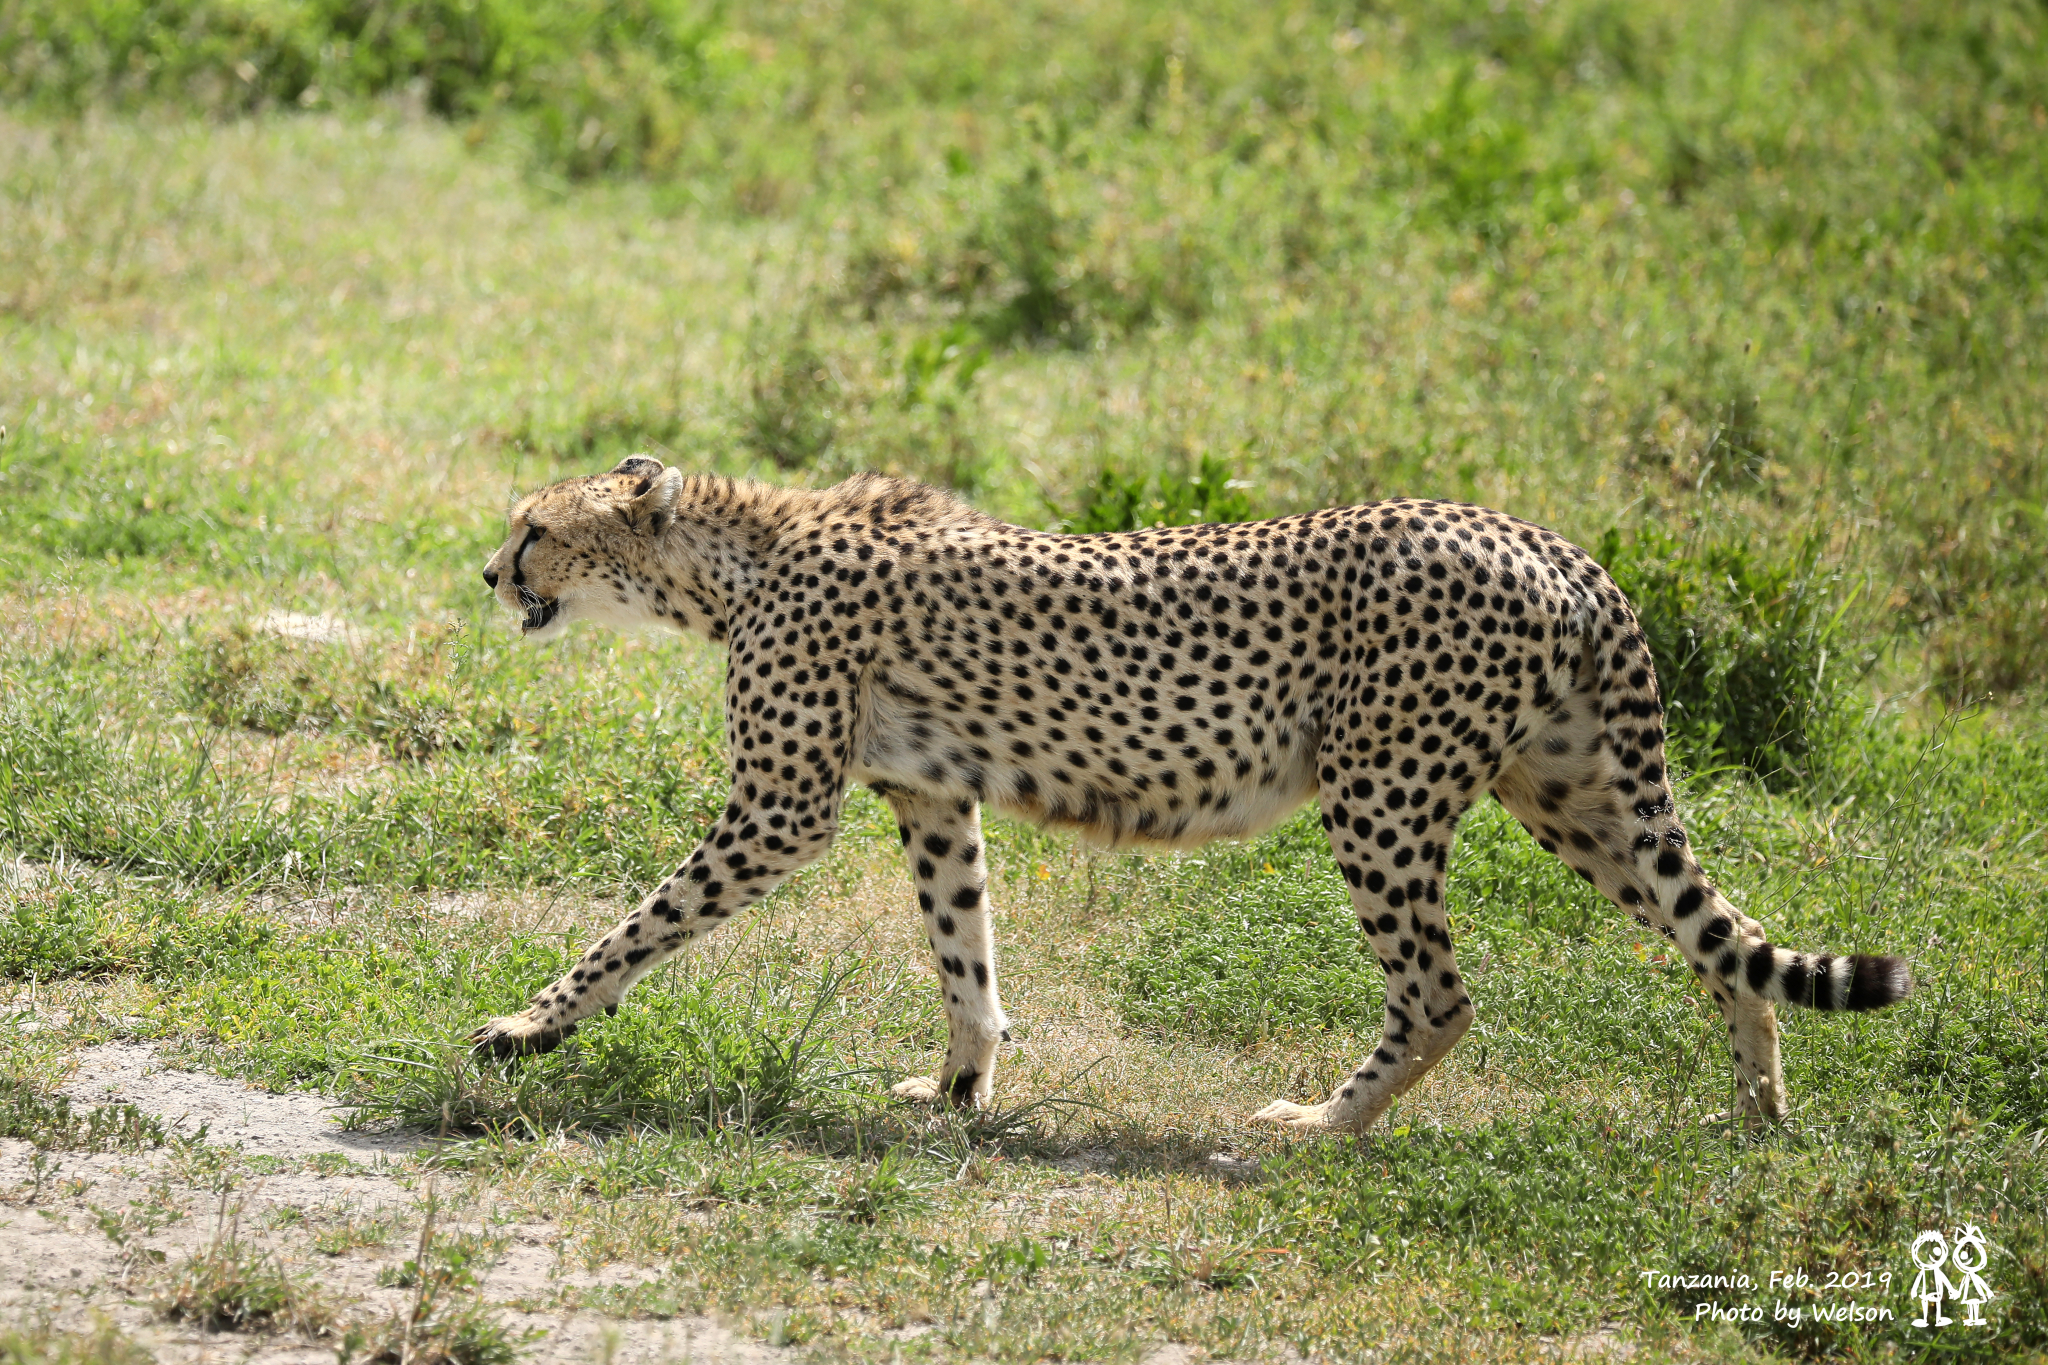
538,614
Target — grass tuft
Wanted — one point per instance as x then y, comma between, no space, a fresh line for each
228,1285
52,1123
873,1190
694,1059
352,1235
448,1323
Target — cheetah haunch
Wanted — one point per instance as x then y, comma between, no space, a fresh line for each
1165,686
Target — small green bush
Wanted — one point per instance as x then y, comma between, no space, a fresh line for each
938,370
1044,250
1751,657
1475,161
1119,502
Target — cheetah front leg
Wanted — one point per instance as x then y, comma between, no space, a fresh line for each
942,840
762,837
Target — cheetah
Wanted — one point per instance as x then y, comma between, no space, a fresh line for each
1166,686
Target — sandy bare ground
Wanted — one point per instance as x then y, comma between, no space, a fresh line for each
84,1236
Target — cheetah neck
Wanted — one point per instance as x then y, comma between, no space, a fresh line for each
709,562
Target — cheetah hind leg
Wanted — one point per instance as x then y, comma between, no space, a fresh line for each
1370,1091
1392,842
1573,793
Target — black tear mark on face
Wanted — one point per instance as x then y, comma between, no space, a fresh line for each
539,610
533,533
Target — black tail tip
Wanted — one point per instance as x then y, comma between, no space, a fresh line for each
1879,981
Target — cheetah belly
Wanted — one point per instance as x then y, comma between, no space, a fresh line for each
908,744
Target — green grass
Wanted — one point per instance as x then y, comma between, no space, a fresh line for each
1750,300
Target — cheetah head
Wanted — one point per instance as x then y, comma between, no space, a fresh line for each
583,549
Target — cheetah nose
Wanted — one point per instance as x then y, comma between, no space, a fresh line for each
491,579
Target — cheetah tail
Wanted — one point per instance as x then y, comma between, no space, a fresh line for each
1823,981
1711,930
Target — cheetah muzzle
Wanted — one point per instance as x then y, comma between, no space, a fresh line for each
1391,662
539,615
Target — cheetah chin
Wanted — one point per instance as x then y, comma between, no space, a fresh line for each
1392,662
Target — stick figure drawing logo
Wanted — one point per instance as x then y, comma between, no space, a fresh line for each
1936,1256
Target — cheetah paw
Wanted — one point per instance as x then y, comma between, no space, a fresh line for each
1729,1122
964,1091
1301,1118
517,1035
917,1090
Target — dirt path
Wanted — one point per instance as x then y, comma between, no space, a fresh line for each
234,1115
87,1235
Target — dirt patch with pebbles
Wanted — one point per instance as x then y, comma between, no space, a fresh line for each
88,1236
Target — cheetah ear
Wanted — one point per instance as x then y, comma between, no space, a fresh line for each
638,466
649,505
